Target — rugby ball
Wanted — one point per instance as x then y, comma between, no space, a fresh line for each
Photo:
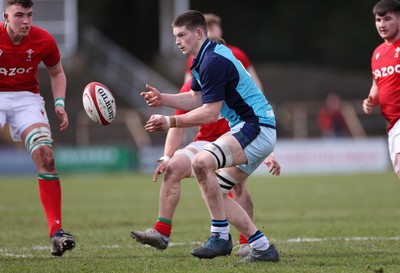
99,103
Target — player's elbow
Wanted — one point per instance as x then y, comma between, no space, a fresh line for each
211,118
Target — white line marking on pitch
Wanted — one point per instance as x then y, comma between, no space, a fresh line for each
306,240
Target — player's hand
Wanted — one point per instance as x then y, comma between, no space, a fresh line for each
368,105
156,123
152,96
273,165
159,170
63,117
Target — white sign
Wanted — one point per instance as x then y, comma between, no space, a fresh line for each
331,156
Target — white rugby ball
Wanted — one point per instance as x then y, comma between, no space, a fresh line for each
99,103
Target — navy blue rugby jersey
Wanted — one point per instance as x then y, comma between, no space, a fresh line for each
220,76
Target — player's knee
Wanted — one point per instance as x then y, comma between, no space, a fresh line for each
198,165
201,166
37,138
177,169
39,144
44,159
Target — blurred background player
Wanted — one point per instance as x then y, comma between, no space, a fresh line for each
331,119
22,48
385,89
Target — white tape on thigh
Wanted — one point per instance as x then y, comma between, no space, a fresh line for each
226,181
221,153
189,154
186,152
38,137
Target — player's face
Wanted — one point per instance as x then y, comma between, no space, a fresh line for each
19,21
388,26
186,40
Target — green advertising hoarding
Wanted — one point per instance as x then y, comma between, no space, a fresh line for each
95,158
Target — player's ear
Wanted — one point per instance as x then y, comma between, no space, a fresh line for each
199,33
5,16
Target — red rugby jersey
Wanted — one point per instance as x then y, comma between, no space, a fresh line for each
385,64
19,63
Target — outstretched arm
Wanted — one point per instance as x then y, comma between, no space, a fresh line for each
184,101
207,113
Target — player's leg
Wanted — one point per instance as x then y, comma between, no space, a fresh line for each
229,178
38,141
30,124
178,167
225,151
242,196
229,152
258,242
394,147
398,165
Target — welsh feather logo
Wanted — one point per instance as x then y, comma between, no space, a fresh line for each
29,56
397,50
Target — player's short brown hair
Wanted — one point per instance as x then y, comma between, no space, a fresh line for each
386,6
191,19
25,3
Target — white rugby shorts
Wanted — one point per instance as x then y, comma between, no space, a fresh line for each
394,145
20,110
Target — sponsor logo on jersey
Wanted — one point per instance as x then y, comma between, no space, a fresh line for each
14,71
386,71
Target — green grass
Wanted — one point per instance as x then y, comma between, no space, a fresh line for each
341,223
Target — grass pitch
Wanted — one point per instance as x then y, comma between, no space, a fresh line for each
337,223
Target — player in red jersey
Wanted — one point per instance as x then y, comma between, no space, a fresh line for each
176,163
385,64
22,48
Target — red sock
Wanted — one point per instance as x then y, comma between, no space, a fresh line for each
242,239
164,226
50,196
